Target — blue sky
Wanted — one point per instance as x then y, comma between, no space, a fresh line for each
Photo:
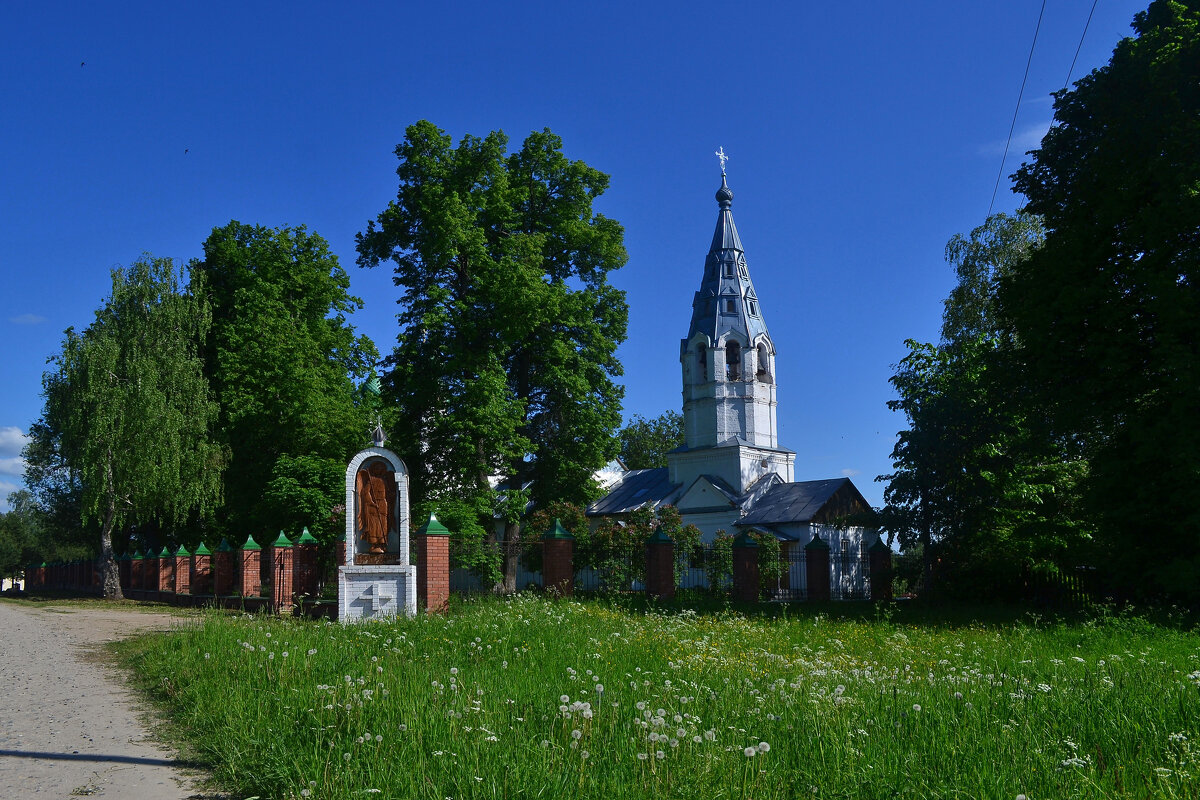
861,137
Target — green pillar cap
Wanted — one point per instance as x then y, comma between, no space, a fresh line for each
44,564
306,537
660,537
123,557
817,543
202,551
282,541
744,539
879,545
182,551
165,553
433,528
557,531
137,555
251,544
224,547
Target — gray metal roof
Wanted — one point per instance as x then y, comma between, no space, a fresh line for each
793,502
726,278
637,488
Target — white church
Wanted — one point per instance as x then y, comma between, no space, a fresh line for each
731,473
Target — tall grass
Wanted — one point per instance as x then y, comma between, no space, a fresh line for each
531,698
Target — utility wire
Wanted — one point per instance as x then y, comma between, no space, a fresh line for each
1080,47
1020,96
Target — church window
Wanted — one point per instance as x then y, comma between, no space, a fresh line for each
702,362
733,361
730,308
727,269
753,308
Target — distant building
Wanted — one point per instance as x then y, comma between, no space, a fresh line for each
731,474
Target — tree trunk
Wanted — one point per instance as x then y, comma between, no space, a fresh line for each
110,576
511,554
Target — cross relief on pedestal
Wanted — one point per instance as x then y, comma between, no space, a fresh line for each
378,596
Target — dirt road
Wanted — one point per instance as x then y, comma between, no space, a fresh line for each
68,726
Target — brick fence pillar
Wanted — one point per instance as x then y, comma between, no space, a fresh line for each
660,566
137,572
224,570
166,574
816,558
183,572
432,542
305,553
558,561
283,563
150,578
202,582
250,569
745,569
881,570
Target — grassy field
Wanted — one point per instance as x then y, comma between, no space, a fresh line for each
531,698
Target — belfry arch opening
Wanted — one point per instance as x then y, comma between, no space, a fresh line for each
733,361
763,373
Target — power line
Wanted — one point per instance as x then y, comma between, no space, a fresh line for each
1020,96
1080,47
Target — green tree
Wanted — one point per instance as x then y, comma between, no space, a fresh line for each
646,442
282,361
128,410
506,356
1107,312
980,486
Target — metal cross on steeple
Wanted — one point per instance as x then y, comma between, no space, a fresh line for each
720,154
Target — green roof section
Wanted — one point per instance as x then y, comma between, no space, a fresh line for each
282,541
137,555
165,553
251,544
557,531
817,543
660,537
224,547
306,537
744,539
182,552
201,550
433,527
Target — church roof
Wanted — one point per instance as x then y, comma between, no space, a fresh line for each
794,502
639,487
726,300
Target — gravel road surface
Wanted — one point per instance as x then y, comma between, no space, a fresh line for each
68,725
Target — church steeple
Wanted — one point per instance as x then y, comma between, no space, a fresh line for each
728,357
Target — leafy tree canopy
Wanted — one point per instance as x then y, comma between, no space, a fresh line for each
646,442
505,360
128,413
283,362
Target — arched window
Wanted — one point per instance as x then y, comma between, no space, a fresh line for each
733,361
702,362
763,374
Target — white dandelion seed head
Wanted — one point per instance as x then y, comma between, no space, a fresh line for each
750,752
763,747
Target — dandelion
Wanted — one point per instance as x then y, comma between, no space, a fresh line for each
641,756
454,670
564,699
660,755
640,705
312,652
345,756
576,734
750,752
916,707
763,747
585,755
379,737
545,744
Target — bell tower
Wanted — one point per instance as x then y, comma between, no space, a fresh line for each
728,364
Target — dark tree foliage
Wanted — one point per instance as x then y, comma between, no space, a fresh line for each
646,442
980,488
283,362
505,360
1107,313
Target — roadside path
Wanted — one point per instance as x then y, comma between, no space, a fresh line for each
68,725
